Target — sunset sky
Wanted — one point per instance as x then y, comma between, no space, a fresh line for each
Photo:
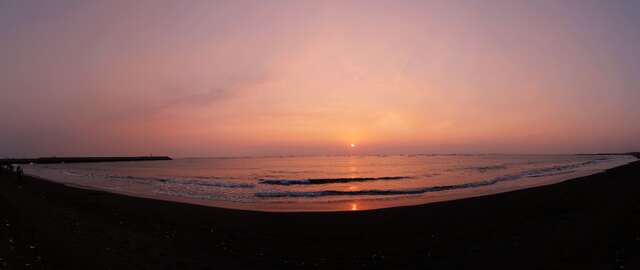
230,78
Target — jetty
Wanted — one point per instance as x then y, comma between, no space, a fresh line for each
52,160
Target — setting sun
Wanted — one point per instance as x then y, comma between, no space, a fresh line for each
353,145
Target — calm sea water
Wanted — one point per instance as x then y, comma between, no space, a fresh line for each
325,183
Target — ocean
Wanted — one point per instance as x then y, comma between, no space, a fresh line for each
325,183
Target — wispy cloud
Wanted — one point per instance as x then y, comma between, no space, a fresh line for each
175,99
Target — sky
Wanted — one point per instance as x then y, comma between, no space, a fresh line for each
239,78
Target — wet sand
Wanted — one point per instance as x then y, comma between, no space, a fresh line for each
587,223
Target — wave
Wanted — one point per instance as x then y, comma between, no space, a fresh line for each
484,169
211,183
73,173
549,171
320,181
481,169
322,193
550,174
186,181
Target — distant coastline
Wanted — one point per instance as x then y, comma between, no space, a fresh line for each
53,160
50,160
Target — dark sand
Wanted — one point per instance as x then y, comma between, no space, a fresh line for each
587,223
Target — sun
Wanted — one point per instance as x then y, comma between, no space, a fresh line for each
353,145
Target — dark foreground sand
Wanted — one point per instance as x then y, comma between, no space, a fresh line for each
586,223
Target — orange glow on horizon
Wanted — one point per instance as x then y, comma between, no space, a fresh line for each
354,207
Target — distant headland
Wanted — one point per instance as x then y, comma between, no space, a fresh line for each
50,160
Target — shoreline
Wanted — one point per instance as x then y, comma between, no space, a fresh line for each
580,222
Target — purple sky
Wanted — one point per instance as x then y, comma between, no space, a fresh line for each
227,78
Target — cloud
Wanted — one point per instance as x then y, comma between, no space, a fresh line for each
197,99
172,100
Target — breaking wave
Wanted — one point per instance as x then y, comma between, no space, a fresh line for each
186,181
549,171
320,181
481,169
73,173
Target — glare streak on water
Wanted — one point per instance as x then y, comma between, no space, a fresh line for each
326,183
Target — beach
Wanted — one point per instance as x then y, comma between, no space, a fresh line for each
590,222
